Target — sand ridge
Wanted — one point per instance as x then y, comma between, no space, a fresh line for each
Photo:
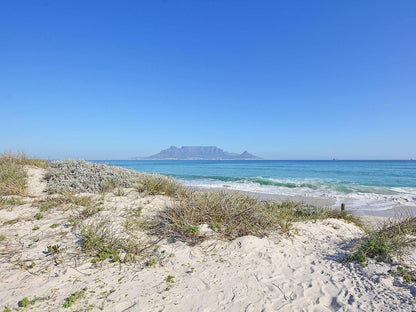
302,272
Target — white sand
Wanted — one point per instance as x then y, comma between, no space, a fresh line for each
298,273
36,184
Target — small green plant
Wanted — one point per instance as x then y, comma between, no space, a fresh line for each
71,222
74,297
170,278
135,212
408,276
32,265
11,222
38,216
24,302
48,206
192,229
2,237
152,262
35,228
54,226
114,255
360,256
216,225
53,249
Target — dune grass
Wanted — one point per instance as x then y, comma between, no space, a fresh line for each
67,201
388,242
157,184
13,175
10,202
230,213
99,241
233,214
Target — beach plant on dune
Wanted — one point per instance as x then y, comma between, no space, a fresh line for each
101,242
233,214
408,275
10,202
157,184
79,176
74,297
13,174
389,242
90,205
290,211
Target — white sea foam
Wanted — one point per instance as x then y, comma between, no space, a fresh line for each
379,200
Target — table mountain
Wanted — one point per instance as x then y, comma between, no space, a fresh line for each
198,153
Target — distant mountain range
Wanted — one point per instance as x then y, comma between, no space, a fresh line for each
198,153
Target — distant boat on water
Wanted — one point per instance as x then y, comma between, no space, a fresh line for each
335,159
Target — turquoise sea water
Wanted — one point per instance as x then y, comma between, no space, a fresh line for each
381,184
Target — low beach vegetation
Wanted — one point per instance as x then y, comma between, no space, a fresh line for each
74,297
233,214
11,222
25,302
10,202
408,275
85,177
157,184
170,279
13,174
63,201
99,241
389,242
227,214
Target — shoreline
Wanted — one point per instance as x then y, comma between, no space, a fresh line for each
323,201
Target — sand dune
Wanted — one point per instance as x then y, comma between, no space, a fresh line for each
302,272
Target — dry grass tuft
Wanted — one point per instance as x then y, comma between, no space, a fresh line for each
13,175
157,184
231,214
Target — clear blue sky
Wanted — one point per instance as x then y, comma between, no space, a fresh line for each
281,79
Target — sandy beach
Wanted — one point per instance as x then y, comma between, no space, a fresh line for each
302,271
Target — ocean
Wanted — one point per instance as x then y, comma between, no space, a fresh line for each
366,186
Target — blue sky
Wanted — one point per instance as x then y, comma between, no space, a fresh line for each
281,79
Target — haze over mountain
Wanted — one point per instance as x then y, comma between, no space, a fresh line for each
198,153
